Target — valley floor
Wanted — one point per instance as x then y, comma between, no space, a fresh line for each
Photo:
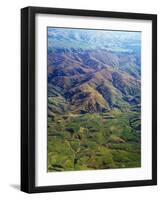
94,141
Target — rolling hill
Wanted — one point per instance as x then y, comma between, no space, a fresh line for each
92,81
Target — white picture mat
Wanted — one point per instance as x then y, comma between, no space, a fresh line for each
43,178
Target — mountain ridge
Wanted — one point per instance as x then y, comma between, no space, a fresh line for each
93,71
77,80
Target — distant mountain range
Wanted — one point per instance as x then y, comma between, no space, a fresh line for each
93,71
85,39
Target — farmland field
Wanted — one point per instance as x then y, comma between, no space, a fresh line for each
94,141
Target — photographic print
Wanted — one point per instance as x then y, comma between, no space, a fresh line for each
94,99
